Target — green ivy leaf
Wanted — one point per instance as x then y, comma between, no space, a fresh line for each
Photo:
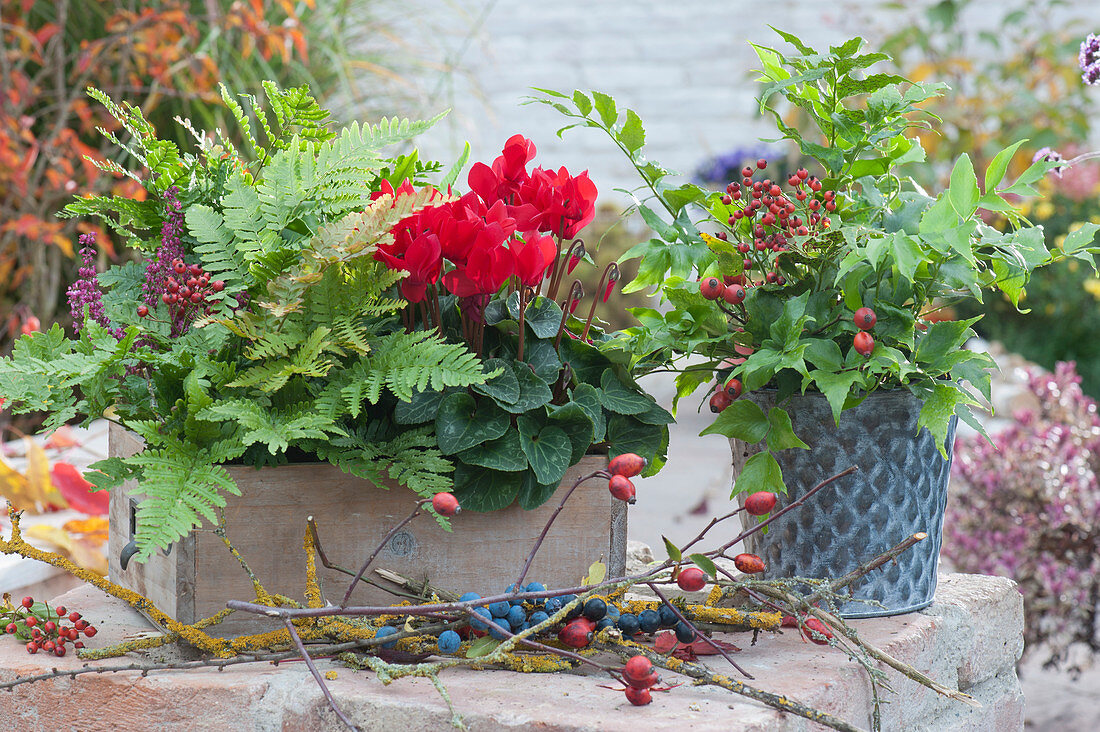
781,435
942,338
761,473
743,420
462,423
547,448
937,410
835,387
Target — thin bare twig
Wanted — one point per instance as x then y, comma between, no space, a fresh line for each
375,553
518,586
317,674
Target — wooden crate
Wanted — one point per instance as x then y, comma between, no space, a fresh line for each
267,523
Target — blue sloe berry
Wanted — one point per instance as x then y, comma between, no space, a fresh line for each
516,616
668,617
500,609
684,633
538,617
449,641
628,623
384,631
482,612
649,621
595,609
469,596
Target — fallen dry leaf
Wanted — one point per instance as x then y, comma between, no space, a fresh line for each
77,491
62,438
39,482
93,528
81,551
665,641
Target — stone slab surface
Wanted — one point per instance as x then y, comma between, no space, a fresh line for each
970,636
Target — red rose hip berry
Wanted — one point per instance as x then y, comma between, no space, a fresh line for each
734,294
719,401
749,563
27,602
638,697
711,288
691,579
445,504
865,318
638,668
760,503
863,343
627,465
819,629
733,388
576,633
622,488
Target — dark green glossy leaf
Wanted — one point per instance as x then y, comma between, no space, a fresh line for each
533,494
578,427
462,423
620,398
627,434
503,387
547,448
533,391
503,453
483,490
587,398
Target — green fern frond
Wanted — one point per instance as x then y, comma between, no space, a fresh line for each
179,490
258,151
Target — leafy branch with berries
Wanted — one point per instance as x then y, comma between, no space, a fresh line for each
828,280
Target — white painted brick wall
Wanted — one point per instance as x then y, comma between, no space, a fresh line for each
683,65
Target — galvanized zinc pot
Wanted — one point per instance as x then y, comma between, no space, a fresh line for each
900,489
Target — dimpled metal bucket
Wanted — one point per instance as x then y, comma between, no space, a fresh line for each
900,489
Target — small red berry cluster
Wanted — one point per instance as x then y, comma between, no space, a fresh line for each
621,469
187,291
724,395
774,218
43,629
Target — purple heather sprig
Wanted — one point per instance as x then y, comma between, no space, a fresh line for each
159,268
85,292
1029,507
1089,60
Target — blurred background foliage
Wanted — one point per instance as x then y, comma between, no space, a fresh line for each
166,57
1015,77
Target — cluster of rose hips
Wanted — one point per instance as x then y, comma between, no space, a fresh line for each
622,468
640,676
43,628
865,319
774,218
188,291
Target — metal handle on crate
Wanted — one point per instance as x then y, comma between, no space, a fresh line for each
127,552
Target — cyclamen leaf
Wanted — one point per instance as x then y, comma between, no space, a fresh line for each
462,423
484,490
533,494
547,448
504,453
619,398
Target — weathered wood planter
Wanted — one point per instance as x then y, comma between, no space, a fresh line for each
267,523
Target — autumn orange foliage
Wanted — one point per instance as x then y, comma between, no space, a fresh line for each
165,57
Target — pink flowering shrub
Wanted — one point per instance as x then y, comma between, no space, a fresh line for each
1029,509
